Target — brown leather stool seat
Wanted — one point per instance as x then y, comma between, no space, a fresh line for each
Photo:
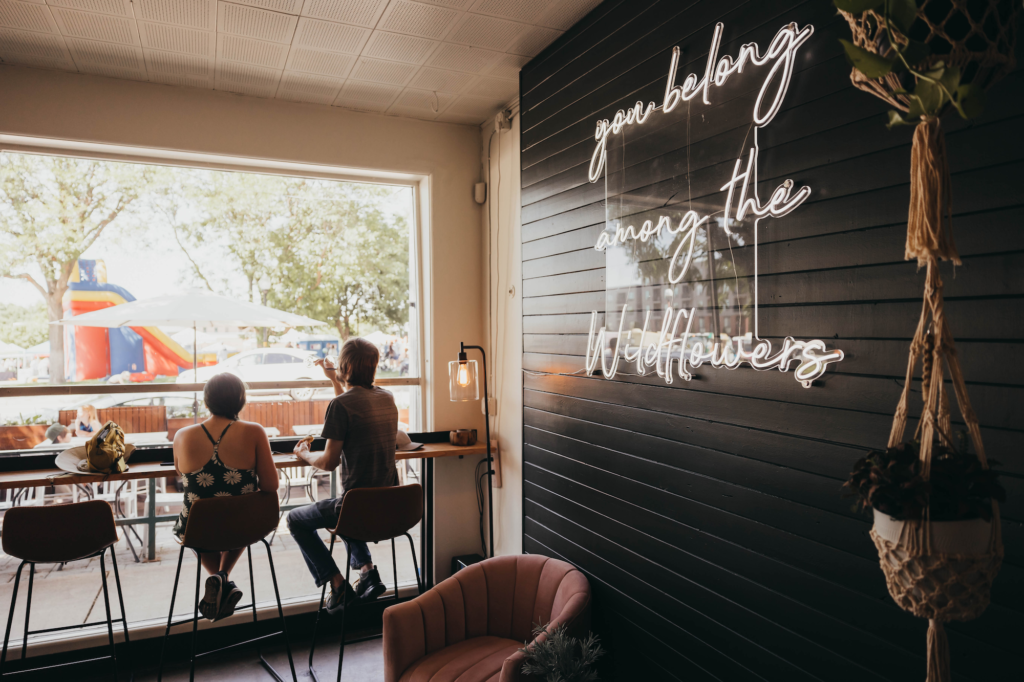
373,515
56,535
222,524
469,627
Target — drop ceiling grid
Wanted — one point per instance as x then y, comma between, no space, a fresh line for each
445,60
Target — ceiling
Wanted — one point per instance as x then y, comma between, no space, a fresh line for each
446,60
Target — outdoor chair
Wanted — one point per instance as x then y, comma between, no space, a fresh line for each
56,535
221,524
373,515
470,627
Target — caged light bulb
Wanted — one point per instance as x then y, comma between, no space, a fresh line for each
463,377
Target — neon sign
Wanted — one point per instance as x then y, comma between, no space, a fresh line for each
676,343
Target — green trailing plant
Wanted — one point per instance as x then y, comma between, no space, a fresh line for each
904,46
890,481
21,420
561,658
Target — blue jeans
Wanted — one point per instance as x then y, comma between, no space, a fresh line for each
303,524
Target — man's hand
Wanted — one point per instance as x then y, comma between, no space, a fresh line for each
328,367
301,450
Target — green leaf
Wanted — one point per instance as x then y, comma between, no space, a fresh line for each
917,109
914,53
868,63
951,79
857,6
902,14
896,119
971,99
930,97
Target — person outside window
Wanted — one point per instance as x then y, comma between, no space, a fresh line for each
361,426
87,421
55,435
221,457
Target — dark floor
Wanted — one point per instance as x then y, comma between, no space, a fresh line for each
364,662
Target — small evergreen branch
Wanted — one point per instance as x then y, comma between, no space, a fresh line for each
555,658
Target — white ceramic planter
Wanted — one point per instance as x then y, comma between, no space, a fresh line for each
948,537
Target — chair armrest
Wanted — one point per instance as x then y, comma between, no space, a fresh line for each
405,640
512,667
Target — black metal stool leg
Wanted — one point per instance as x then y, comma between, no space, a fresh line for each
195,616
415,565
280,614
106,605
252,584
316,623
124,616
170,616
10,618
28,609
344,613
394,567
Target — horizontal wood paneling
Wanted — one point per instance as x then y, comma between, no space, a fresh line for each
708,514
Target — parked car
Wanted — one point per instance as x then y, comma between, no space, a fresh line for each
263,364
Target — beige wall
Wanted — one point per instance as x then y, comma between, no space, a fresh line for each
83,108
505,315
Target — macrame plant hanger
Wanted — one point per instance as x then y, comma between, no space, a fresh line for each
938,586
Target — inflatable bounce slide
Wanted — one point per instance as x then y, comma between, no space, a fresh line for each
97,352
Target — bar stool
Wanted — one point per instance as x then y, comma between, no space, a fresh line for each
373,515
57,535
222,524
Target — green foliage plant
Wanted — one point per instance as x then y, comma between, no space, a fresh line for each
558,657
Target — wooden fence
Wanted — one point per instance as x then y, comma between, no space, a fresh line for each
144,419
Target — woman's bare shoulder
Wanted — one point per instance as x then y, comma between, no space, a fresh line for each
251,428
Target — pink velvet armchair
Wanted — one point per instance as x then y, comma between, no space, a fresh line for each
469,627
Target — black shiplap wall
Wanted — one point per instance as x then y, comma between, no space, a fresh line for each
707,514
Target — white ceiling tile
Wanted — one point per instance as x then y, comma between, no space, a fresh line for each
563,14
493,88
526,11
358,12
473,106
118,7
318,61
91,26
41,46
246,79
416,19
531,40
440,80
381,71
186,81
93,53
399,47
477,30
286,6
255,23
453,4
327,35
28,16
301,87
422,102
463,58
178,39
201,14
507,66
59,64
248,51
172,63
366,96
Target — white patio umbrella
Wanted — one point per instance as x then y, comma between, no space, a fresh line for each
191,309
194,307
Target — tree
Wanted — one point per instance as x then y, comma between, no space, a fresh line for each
25,327
51,210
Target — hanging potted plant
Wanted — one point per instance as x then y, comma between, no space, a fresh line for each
936,505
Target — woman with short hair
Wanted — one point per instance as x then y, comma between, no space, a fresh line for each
222,457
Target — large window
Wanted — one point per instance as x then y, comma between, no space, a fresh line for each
79,235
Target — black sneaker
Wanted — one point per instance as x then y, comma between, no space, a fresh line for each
370,586
210,605
336,603
232,595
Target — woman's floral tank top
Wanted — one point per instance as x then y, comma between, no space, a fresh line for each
215,479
